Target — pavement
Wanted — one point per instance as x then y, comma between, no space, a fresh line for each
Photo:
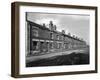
45,56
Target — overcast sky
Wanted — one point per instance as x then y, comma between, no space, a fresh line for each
75,24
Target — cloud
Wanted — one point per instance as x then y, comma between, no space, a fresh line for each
75,24
80,17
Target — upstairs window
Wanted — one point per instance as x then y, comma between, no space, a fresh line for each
51,35
35,32
66,39
62,37
57,37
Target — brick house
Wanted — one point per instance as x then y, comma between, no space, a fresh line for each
41,39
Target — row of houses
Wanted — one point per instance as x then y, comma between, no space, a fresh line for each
41,39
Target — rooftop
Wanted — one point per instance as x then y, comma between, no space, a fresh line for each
46,28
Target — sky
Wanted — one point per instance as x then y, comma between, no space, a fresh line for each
77,25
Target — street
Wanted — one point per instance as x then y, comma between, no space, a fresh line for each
71,57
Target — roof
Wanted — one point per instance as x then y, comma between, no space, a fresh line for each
45,28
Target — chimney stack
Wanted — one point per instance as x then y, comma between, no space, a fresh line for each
51,25
69,34
63,31
54,27
44,25
73,36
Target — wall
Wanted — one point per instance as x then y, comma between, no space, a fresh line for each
5,40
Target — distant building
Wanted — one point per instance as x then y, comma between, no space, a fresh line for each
42,39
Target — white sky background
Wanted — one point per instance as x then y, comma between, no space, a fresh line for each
75,24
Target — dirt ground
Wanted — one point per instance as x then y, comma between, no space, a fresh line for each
70,59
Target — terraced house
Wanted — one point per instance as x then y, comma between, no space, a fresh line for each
42,40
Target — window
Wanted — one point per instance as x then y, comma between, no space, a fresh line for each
35,45
64,45
58,45
51,35
57,37
66,39
51,45
35,32
62,37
